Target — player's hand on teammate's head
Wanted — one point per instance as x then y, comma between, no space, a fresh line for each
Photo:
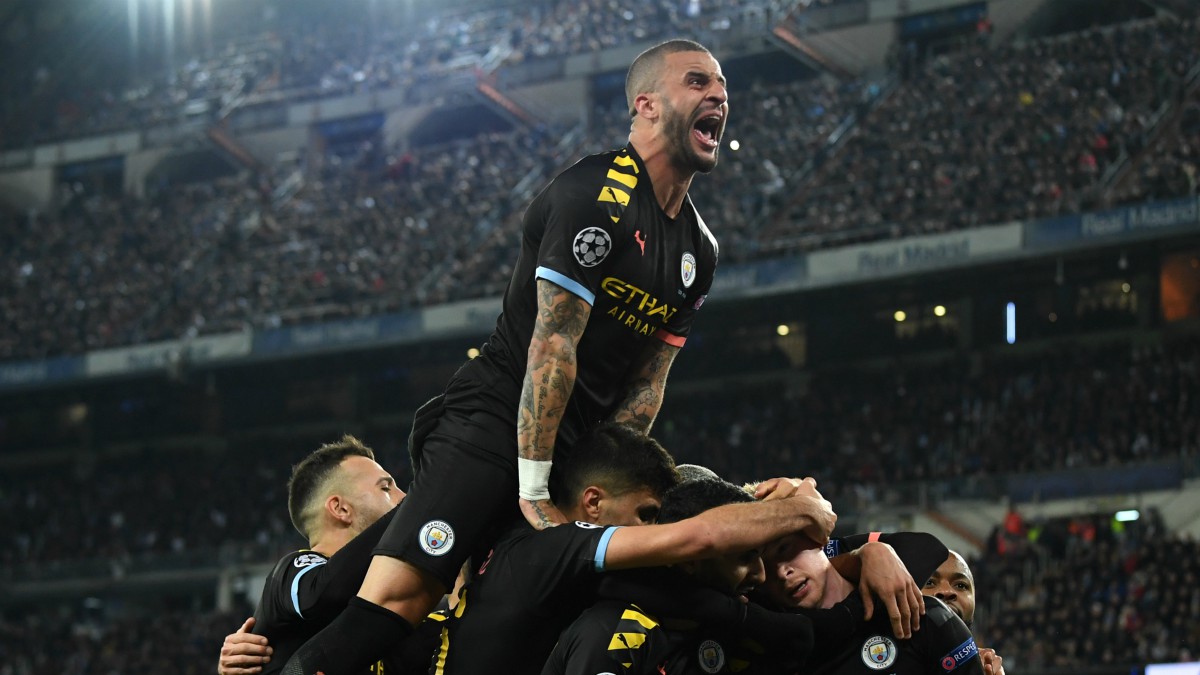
823,517
541,514
993,663
884,575
780,488
243,652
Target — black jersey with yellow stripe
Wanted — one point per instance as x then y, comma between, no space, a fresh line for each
598,231
527,590
618,637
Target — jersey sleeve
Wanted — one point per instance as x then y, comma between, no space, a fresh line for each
580,213
920,552
308,586
945,642
571,550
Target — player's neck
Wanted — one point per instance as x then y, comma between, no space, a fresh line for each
837,589
669,182
330,542
577,513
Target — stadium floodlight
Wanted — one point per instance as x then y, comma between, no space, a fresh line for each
900,316
1127,516
1010,315
940,310
735,145
472,353
782,329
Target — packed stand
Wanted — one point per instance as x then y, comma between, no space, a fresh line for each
1090,590
316,52
54,106
862,434
368,238
869,436
79,641
361,237
1170,168
989,136
128,514
94,275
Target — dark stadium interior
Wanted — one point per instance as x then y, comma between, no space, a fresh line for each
139,501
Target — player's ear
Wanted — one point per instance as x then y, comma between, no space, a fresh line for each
339,509
647,105
591,498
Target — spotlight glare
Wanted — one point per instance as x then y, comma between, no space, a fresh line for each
782,329
900,316
1127,516
939,311
735,145
472,353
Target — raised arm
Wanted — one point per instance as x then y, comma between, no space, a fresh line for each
644,389
725,529
549,379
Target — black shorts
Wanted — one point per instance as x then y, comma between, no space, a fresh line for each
464,488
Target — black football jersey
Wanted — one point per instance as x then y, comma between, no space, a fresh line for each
307,590
944,645
618,637
530,587
597,231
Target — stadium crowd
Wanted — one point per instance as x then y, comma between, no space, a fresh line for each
1097,408
282,54
79,641
991,135
1090,589
380,231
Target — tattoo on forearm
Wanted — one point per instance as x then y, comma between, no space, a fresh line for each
645,391
550,371
543,520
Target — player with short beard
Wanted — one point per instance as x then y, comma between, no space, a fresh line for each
614,264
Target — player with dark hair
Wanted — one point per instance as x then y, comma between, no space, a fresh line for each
535,583
618,635
615,261
954,584
800,575
340,500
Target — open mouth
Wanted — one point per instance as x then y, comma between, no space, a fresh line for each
798,592
707,130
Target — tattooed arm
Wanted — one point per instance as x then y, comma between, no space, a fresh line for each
549,379
644,391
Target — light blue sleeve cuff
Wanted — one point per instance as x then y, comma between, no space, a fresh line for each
602,547
567,283
296,586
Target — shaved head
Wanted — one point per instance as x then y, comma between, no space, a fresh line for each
646,71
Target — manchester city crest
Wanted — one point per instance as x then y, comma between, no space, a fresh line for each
687,269
878,652
436,537
711,656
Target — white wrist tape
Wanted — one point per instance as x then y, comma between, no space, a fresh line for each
533,476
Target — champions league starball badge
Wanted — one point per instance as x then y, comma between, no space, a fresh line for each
591,246
436,538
